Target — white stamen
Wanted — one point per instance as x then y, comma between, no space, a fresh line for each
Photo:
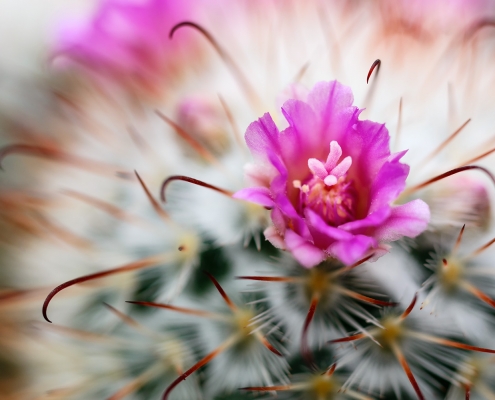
296,183
333,156
317,168
342,168
330,180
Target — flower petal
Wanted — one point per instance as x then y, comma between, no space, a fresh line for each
409,219
262,138
257,195
307,254
371,221
389,182
315,221
274,237
350,251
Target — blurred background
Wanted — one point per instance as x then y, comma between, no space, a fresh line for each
99,105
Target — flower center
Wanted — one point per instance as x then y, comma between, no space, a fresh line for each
328,191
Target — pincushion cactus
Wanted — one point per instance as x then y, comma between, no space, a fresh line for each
316,259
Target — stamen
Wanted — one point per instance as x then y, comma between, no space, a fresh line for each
376,63
342,167
459,238
407,370
193,181
229,302
136,265
229,61
333,155
410,308
197,146
305,350
446,175
348,338
190,311
160,211
205,360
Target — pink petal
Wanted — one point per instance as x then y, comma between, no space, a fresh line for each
257,175
389,182
330,98
373,220
262,138
257,195
350,251
409,219
272,235
298,224
368,145
278,220
307,254
299,138
315,221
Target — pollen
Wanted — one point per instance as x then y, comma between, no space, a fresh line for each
336,204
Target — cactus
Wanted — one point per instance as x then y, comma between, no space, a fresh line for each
236,199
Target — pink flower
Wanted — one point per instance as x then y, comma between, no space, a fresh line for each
127,40
329,180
